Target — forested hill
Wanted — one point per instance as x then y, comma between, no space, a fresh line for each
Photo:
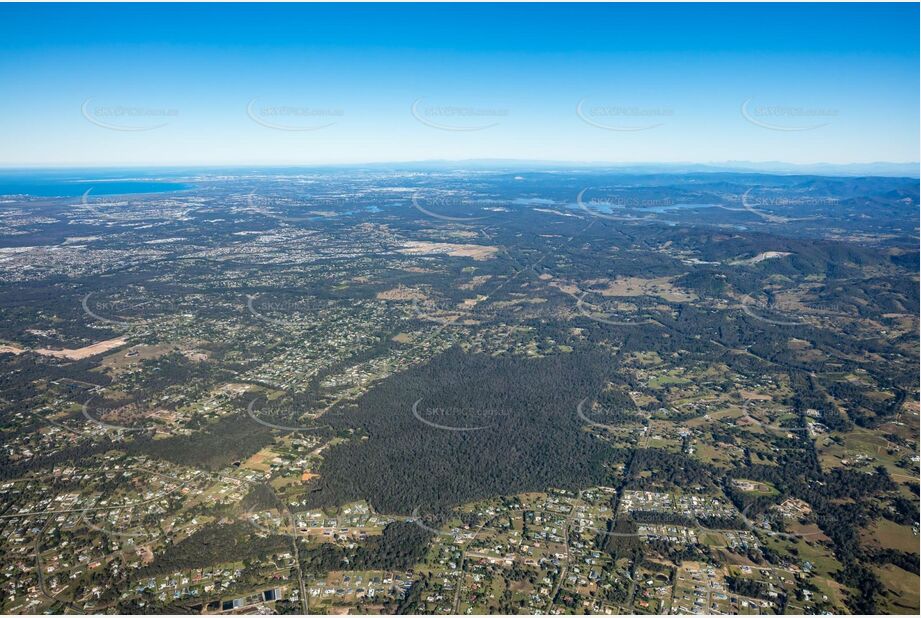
531,439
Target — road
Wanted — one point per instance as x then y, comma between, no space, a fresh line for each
108,508
565,566
460,581
297,561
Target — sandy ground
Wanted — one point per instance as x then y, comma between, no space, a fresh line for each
637,286
475,282
477,252
85,352
767,255
401,293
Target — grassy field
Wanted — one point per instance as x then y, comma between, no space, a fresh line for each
890,535
902,588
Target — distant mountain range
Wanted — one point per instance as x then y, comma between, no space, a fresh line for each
880,168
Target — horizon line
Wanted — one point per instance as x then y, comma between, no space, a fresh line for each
481,160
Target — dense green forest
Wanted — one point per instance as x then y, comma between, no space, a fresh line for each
532,438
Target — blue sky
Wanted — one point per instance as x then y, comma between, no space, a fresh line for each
301,84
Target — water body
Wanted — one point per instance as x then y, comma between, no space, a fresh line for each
611,209
41,187
533,201
673,207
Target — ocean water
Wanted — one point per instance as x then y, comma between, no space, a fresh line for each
73,182
671,207
61,188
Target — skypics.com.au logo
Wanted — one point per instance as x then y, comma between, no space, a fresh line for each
127,118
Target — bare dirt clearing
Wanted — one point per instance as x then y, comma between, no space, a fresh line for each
477,252
84,352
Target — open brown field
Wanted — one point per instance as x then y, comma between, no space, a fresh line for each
86,351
